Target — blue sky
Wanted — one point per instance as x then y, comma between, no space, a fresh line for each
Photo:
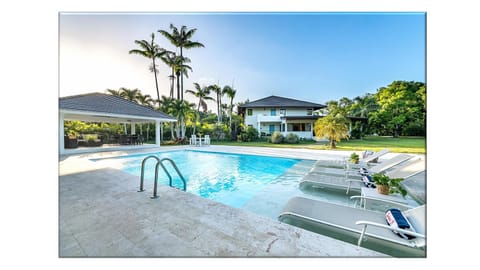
309,56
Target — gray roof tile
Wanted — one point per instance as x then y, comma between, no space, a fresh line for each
275,101
103,103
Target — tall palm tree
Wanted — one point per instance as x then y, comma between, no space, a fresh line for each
202,93
181,39
230,92
166,105
182,110
169,59
218,91
152,51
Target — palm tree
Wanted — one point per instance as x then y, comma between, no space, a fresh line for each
180,68
181,39
114,92
181,109
152,51
218,91
166,105
169,59
230,92
202,93
335,127
145,100
128,94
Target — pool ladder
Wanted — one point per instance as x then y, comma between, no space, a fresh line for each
160,163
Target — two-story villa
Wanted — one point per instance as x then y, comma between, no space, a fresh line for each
282,114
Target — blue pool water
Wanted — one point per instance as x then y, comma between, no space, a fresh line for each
232,179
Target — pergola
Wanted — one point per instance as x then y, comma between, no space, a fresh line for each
98,107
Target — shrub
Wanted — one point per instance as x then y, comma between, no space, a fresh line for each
277,137
354,158
252,133
291,138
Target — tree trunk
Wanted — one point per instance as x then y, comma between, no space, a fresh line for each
178,86
197,116
181,71
332,144
172,82
156,83
172,136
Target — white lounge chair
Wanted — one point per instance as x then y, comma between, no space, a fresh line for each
358,223
404,170
343,163
355,172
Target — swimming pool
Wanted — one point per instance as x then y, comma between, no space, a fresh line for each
232,179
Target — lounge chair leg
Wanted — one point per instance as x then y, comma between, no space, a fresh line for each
362,234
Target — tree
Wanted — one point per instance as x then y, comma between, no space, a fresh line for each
128,94
401,107
230,92
152,51
334,127
181,39
145,100
181,109
202,93
218,91
166,105
114,92
177,65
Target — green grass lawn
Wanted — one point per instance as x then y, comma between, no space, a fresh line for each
414,145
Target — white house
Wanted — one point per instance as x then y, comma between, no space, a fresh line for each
286,115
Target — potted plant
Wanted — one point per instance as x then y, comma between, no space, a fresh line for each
386,185
354,158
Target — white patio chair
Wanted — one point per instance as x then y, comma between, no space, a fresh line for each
358,222
404,170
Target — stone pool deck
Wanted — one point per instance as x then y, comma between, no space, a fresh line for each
101,214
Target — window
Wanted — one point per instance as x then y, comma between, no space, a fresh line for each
249,111
273,112
309,111
283,112
299,127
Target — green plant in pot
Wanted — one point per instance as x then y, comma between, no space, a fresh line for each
354,158
386,185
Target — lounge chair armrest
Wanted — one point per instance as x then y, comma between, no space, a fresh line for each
360,197
366,223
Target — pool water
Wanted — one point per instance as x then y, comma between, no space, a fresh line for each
231,179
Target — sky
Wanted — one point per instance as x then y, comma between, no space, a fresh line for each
312,56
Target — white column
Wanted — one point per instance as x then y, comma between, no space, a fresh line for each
132,130
61,133
259,133
157,133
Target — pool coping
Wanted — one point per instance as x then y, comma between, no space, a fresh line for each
93,221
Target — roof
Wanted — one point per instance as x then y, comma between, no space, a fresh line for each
104,104
275,101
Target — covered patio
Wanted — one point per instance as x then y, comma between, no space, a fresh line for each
103,108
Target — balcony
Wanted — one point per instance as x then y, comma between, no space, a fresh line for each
268,118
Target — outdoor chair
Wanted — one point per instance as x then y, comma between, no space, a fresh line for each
404,170
194,141
355,172
206,140
360,223
367,160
